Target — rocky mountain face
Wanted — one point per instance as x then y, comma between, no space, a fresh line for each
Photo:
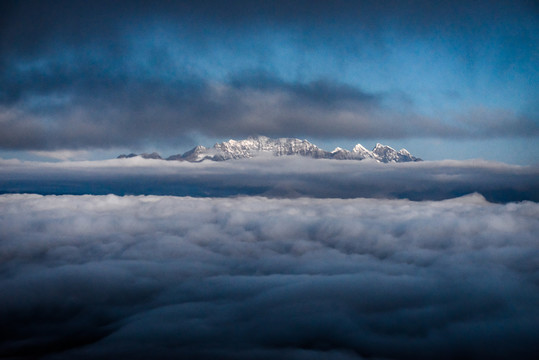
261,145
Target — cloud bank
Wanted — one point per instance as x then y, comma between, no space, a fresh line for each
103,113
75,75
285,177
241,278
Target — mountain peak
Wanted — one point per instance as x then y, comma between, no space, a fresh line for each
254,146
360,149
153,155
386,154
404,152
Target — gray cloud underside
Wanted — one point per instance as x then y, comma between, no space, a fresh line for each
30,25
165,277
275,177
55,111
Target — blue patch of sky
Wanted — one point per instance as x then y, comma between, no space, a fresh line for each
438,74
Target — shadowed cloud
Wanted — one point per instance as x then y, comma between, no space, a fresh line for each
290,176
76,75
165,277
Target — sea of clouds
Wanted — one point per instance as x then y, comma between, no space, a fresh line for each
143,277
281,177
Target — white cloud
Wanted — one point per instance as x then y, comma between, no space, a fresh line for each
63,154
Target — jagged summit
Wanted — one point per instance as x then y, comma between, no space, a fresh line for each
255,146
387,154
196,154
360,152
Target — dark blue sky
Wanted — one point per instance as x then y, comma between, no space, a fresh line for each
443,79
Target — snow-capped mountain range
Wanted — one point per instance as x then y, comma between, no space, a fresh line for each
262,145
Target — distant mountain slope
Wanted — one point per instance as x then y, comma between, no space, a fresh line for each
262,145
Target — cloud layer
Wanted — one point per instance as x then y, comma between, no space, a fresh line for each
287,177
74,75
241,278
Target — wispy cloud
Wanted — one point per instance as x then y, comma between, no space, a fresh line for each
62,154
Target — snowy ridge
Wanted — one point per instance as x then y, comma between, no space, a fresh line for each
262,145
253,146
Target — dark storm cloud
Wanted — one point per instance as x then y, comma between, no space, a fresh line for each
164,277
78,74
275,177
106,111
100,111
27,24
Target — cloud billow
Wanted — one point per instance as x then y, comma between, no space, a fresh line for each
281,177
240,278
108,112
103,113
